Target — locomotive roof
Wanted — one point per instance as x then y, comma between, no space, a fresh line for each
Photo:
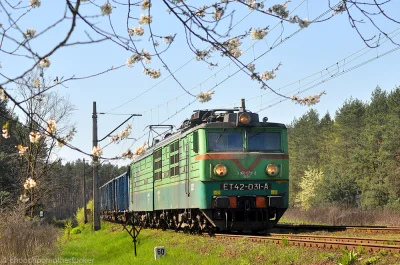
211,125
213,118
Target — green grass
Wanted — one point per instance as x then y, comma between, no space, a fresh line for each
112,245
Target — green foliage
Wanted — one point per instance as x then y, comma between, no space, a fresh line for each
311,179
80,217
68,227
285,242
371,261
349,257
76,230
358,151
114,246
303,138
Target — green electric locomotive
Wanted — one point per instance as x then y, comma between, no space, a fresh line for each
224,170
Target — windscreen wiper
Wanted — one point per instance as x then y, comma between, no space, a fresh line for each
256,134
219,137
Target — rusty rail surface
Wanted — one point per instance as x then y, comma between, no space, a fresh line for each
328,242
368,229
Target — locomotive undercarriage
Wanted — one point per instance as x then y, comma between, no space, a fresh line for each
197,221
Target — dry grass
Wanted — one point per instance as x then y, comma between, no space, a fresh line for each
21,238
343,216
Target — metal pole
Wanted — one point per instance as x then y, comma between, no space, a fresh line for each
84,192
96,199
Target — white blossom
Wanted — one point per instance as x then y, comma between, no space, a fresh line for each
146,56
5,133
268,75
254,5
205,96
168,39
106,9
201,55
97,151
152,73
146,4
23,198
308,101
22,149
232,45
218,13
45,63
51,126
34,3
145,19
251,67
29,33
34,137
340,9
140,150
114,139
257,34
303,23
136,31
36,83
128,154
279,10
30,183
60,142
201,12
293,19
133,59
3,95
125,133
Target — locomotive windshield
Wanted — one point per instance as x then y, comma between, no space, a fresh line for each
225,141
264,141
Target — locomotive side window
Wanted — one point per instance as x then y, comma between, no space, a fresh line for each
264,141
157,158
174,159
225,141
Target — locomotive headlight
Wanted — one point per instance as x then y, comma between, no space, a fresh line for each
220,170
272,170
244,118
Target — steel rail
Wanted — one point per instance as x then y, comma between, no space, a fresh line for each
328,242
368,229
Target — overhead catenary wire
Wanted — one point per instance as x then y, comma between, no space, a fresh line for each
77,149
346,60
170,75
334,76
240,69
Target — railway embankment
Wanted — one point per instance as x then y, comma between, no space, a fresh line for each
112,245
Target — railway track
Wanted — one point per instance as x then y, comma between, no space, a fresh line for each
367,229
328,242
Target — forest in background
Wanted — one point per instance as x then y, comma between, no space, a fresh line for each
351,159
59,192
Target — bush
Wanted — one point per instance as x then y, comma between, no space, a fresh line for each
24,238
76,230
80,217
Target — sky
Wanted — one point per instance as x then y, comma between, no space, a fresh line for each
322,57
